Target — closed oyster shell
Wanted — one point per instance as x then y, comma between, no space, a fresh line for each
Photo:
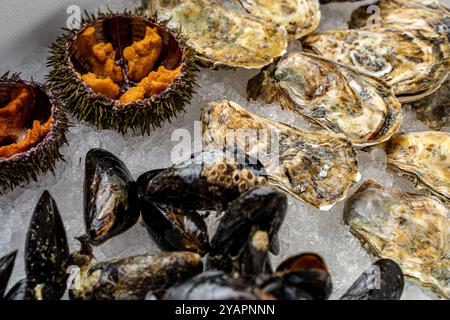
223,36
299,17
424,156
411,229
412,63
316,167
434,110
430,16
333,96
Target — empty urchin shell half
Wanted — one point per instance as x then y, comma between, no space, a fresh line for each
33,127
123,71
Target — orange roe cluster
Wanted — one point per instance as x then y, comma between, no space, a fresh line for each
142,55
12,121
106,78
155,83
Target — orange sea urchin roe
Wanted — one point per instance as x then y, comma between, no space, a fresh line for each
156,82
14,114
100,56
32,138
104,86
142,55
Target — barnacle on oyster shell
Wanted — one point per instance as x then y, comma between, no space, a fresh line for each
411,229
223,36
123,71
425,156
333,96
32,128
316,167
299,17
413,64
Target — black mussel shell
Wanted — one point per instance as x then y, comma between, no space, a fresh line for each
6,267
286,287
144,179
133,277
207,181
172,229
383,281
22,290
263,209
46,250
176,229
302,277
110,197
215,285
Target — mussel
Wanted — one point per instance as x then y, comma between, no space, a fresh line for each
251,222
209,180
131,278
172,229
22,290
383,281
46,251
110,197
302,277
215,285
6,267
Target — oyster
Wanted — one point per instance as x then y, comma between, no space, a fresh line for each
411,229
299,17
430,16
434,110
223,36
335,97
424,156
316,167
413,64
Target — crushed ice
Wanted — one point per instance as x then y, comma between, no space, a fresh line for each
305,228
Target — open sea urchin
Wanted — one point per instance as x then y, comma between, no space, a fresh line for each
123,71
33,126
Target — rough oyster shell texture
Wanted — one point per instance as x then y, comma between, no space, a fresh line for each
409,61
299,17
430,16
223,36
433,18
316,167
333,96
424,156
411,229
434,110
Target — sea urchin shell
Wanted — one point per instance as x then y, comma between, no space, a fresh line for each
92,91
32,129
